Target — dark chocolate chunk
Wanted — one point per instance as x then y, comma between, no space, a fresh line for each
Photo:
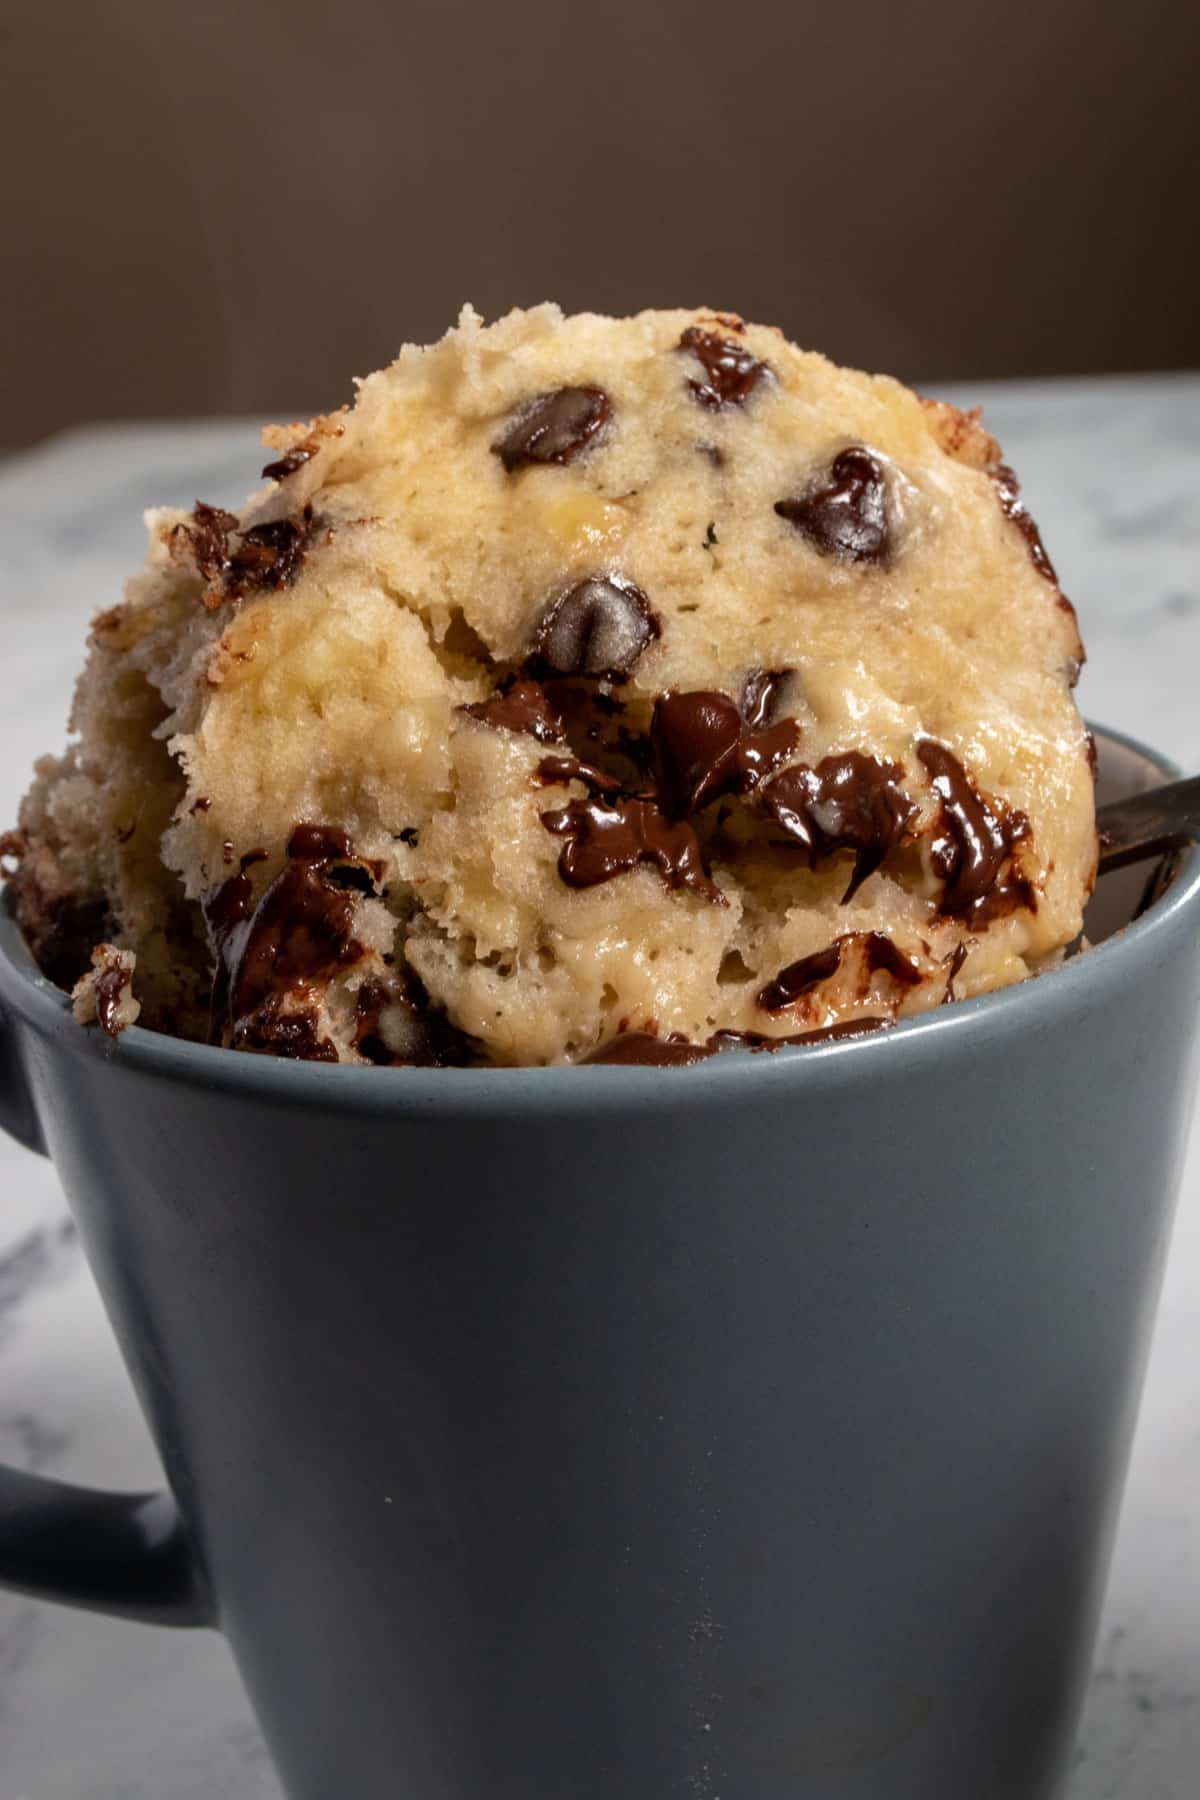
974,843
845,515
522,707
233,562
299,933
409,836
731,372
609,837
554,428
847,802
597,628
701,748
645,1049
801,977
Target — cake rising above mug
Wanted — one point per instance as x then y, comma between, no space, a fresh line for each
590,689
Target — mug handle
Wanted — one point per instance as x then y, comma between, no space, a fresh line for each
125,1554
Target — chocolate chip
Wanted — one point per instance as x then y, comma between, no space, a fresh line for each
598,628
845,515
847,802
409,836
554,427
610,837
710,535
289,462
762,691
522,707
973,847
731,371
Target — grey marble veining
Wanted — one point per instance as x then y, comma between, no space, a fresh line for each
91,1709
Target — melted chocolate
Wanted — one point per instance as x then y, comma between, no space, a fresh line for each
609,837
847,802
801,977
644,1049
597,628
554,428
522,707
648,1051
233,563
845,516
294,1035
701,747
553,770
1013,507
973,847
880,954
757,1040
957,960
731,372
111,983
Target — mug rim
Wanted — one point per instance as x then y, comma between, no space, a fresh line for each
1082,982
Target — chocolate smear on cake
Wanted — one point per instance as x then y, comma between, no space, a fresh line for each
974,843
610,837
848,801
522,706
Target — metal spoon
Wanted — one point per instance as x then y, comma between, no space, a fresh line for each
1163,818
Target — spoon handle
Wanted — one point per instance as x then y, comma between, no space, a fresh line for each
1144,824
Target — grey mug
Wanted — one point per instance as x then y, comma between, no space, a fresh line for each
732,1432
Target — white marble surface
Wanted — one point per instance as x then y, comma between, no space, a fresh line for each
96,1710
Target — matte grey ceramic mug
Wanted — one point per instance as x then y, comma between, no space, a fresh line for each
718,1433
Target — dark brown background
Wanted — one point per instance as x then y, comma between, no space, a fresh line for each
237,206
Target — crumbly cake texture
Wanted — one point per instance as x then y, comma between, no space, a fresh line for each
591,684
